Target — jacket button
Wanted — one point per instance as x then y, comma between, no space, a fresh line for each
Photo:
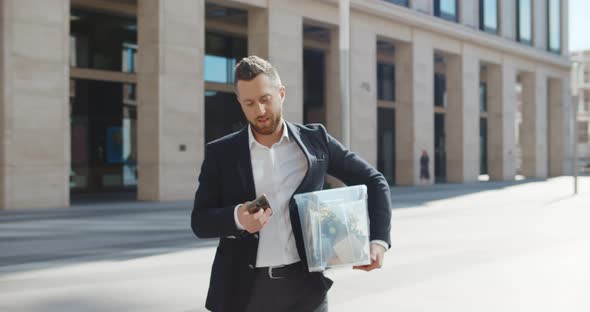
251,266
256,236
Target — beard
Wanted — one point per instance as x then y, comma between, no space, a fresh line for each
269,127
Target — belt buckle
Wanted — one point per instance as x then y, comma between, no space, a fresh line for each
271,276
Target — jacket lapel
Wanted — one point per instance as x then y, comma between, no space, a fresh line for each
245,165
302,142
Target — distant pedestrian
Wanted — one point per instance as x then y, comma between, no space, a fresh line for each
424,161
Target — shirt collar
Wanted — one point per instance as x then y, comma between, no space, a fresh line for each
252,141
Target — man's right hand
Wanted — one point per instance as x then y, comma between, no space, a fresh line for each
253,222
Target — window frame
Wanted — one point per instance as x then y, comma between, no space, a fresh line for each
519,38
406,3
482,26
445,16
549,48
379,83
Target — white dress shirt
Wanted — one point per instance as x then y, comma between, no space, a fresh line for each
277,172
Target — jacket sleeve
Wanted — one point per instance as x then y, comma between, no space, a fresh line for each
353,170
208,218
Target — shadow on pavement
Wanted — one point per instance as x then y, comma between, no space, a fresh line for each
114,231
120,228
412,196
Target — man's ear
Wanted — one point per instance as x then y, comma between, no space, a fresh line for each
282,94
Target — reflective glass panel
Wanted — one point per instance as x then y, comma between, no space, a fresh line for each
399,2
440,90
386,82
103,41
314,76
524,28
554,12
483,97
446,9
488,15
103,122
386,143
223,115
222,52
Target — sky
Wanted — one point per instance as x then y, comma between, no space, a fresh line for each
579,25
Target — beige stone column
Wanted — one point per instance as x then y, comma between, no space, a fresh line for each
170,95
363,91
469,13
560,152
540,24
507,19
564,19
462,126
534,125
276,34
501,114
414,116
424,6
34,104
333,103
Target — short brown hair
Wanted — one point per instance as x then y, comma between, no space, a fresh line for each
250,67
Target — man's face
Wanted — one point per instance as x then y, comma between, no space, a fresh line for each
262,103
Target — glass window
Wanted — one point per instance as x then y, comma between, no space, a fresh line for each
524,21
554,25
488,15
223,115
583,132
399,2
440,149
103,41
483,97
446,9
386,82
222,52
103,121
440,90
314,77
483,146
386,143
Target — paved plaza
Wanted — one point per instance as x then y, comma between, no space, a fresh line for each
488,246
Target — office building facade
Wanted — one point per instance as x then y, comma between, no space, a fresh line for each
102,96
581,91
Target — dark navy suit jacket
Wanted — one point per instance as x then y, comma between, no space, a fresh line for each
226,180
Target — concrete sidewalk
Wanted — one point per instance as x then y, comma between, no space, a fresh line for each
518,246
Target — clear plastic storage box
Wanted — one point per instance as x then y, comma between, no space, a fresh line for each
335,225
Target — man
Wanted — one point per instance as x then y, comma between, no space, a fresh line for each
260,264
424,172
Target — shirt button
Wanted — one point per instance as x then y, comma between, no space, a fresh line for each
251,266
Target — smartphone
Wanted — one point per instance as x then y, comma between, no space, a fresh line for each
259,203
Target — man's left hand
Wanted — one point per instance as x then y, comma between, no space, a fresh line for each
377,254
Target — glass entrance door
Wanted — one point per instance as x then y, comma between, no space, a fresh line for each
103,120
386,145
440,154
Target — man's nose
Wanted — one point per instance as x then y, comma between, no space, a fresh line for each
261,108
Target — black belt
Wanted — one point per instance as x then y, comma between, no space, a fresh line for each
281,272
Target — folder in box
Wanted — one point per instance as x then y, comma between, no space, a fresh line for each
335,225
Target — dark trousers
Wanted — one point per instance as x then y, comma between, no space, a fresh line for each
294,292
